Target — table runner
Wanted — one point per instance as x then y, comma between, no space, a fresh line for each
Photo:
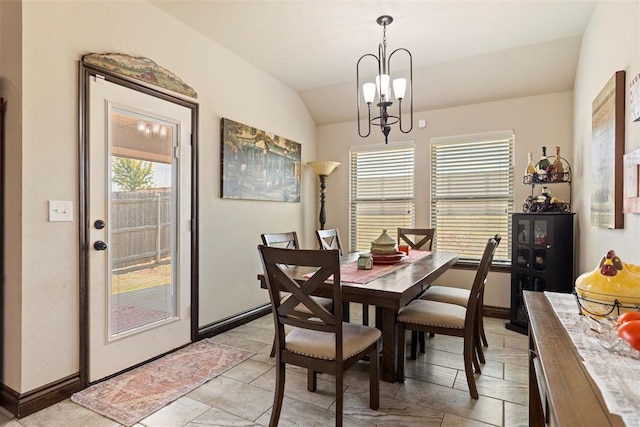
614,366
349,272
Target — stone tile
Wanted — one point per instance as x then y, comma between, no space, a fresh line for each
516,415
358,377
67,414
233,396
177,413
391,412
452,401
296,387
296,413
516,373
248,371
422,371
497,388
240,341
216,417
456,421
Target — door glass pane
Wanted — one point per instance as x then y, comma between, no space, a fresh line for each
141,221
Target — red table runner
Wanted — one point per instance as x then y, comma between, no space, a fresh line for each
349,272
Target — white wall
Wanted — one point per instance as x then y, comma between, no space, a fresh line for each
537,121
610,43
55,36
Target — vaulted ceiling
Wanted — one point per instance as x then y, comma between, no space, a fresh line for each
464,52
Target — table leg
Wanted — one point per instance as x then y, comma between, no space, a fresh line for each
387,317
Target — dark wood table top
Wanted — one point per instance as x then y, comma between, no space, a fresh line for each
395,289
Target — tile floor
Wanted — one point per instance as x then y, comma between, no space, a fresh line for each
435,392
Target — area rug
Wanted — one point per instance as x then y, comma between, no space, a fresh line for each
134,395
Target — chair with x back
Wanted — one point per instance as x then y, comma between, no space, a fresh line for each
289,240
410,236
319,340
448,319
330,239
459,296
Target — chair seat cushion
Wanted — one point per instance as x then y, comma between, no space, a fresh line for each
322,345
433,313
447,294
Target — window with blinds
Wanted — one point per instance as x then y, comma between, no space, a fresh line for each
472,193
382,192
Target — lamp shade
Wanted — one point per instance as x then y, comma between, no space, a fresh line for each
323,168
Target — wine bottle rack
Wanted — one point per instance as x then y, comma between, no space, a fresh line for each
549,177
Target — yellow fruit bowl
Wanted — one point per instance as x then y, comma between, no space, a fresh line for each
611,289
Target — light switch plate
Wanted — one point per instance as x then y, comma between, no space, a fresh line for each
60,210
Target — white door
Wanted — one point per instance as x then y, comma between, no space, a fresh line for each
139,210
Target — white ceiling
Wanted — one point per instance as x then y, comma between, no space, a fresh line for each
464,52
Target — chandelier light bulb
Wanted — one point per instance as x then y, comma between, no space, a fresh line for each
382,82
399,88
369,92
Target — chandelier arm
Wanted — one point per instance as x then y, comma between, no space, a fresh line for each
359,95
402,49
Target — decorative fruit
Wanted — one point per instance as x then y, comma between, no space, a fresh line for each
630,332
627,317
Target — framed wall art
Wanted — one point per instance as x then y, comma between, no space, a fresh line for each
257,165
632,182
607,151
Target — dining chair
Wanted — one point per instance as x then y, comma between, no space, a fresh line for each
410,237
289,240
459,296
448,319
319,339
330,239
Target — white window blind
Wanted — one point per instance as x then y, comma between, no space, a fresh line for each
382,193
472,193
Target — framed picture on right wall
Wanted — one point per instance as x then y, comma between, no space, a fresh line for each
607,150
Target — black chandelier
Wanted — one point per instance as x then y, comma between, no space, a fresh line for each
367,91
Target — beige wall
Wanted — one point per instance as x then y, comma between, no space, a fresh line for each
610,43
11,90
55,36
537,121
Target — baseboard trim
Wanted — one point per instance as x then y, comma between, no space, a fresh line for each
231,322
21,405
497,312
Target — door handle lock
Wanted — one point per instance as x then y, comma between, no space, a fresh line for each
100,245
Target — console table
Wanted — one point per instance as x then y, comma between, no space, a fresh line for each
561,391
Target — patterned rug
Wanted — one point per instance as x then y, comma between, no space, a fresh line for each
136,394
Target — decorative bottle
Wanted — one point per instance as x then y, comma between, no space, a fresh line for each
543,165
558,168
531,169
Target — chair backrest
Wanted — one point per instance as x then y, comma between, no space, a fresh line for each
280,267
288,240
329,239
481,278
426,234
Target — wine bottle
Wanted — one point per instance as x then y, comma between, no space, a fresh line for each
530,171
543,164
558,168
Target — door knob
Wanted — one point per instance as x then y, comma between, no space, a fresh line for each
99,224
100,245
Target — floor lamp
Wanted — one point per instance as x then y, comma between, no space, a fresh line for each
323,170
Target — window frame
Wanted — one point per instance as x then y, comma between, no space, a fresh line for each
394,202
502,194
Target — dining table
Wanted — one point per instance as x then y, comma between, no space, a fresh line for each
388,288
